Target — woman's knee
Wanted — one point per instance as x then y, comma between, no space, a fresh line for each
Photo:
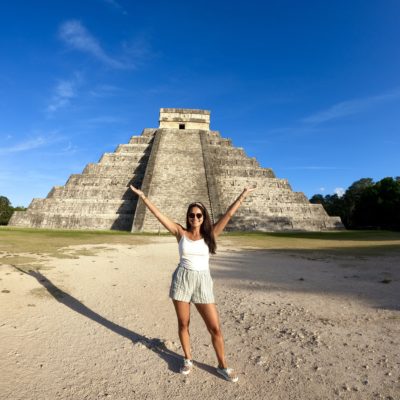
215,331
183,324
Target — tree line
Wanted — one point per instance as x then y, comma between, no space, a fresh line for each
366,204
6,210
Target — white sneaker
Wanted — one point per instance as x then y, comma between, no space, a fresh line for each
186,367
228,373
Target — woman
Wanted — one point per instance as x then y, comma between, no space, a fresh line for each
191,281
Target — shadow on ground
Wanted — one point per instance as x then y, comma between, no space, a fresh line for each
341,235
374,279
156,345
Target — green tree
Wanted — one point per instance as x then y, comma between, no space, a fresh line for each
317,199
333,204
5,210
366,204
379,205
351,198
4,202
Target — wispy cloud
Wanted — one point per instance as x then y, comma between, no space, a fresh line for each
116,5
339,191
105,91
64,92
69,149
312,167
76,36
139,50
351,107
105,119
31,143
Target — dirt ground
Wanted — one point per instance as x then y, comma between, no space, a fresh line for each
297,325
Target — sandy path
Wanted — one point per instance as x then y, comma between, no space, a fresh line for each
296,327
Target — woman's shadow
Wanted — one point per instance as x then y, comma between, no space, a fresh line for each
156,345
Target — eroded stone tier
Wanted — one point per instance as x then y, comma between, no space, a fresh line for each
100,197
180,162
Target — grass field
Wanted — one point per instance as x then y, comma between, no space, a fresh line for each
343,242
23,245
19,246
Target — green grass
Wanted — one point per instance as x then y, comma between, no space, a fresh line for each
17,244
53,243
374,243
374,235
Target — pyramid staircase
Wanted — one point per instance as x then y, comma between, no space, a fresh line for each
180,162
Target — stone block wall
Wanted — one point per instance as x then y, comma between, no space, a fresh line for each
175,167
273,206
175,177
99,198
173,118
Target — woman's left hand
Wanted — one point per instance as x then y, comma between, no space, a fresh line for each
248,190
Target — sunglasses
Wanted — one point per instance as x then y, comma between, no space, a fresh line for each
198,215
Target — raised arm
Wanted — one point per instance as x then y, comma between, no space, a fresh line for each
170,225
219,226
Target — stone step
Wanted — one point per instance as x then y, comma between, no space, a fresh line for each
234,162
269,224
214,134
281,209
91,193
67,221
83,206
99,181
261,198
177,176
138,140
245,173
123,158
135,148
148,132
110,170
219,142
237,183
223,151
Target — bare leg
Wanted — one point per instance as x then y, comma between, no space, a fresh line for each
183,313
209,314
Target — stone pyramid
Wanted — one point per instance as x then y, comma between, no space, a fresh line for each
180,162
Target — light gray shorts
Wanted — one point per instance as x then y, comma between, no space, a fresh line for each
192,286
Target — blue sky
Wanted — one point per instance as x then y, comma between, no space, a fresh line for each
309,88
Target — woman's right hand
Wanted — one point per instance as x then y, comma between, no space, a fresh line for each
137,191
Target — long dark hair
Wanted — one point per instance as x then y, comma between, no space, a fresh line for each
206,228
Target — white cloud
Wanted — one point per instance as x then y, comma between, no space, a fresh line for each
339,191
31,143
64,91
313,167
105,91
139,49
75,35
105,119
351,107
116,5
322,189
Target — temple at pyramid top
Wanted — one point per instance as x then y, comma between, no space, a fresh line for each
180,162
184,118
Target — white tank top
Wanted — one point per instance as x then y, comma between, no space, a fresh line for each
194,254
